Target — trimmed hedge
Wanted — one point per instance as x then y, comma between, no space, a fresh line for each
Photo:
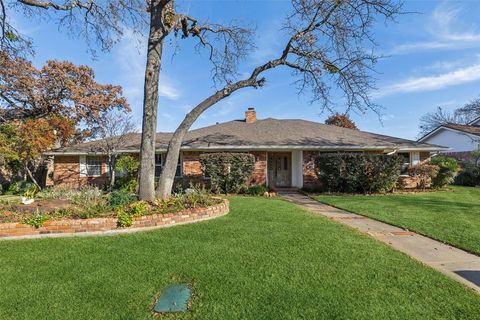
357,172
228,172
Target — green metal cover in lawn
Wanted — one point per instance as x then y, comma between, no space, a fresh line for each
173,299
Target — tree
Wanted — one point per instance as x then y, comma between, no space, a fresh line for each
461,115
326,50
341,120
114,130
53,106
103,23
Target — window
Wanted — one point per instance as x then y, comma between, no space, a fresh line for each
159,162
90,166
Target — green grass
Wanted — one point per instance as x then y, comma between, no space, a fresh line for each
449,216
267,259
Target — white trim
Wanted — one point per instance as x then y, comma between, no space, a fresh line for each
82,161
415,158
422,139
268,148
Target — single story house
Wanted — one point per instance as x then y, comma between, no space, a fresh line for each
459,138
284,151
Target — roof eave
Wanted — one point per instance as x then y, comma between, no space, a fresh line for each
264,147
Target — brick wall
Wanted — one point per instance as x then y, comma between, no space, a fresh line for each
67,173
309,176
259,175
69,226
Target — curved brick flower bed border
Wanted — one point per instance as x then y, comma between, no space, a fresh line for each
109,225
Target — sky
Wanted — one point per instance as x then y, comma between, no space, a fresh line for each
430,58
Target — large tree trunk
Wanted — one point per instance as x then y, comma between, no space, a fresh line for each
146,184
167,177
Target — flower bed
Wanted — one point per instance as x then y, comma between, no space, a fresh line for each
72,226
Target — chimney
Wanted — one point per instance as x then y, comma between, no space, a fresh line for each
250,115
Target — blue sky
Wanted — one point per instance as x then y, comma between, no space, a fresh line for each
432,58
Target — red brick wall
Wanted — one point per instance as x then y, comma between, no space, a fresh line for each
309,176
66,226
67,173
259,175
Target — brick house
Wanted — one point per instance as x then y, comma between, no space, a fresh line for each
284,151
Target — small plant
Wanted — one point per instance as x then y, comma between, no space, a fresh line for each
255,190
139,208
124,219
36,220
30,192
120,198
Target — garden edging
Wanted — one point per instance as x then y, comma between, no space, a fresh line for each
70,227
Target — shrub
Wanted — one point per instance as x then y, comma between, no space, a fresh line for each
30,192
124,219
120,198
448,168
469,176
127,182
228,172
139,208
36,220
425,173
255,190
357,172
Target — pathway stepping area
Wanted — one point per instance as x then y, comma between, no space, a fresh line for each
453,262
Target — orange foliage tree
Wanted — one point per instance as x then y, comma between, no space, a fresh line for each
59,104
341,120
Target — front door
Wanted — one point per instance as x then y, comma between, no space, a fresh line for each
280,169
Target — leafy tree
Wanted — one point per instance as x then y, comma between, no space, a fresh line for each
49,107
327,49
341,120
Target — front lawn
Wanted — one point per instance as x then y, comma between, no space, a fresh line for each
449,216
267,259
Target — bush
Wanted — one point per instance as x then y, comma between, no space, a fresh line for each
36,220
120,198
139,208
448,168
128,165
254,190
357,172
425,173
469,176
228,172
124,219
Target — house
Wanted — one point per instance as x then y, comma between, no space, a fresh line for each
284,151
458,137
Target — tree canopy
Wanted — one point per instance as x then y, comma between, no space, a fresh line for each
341,120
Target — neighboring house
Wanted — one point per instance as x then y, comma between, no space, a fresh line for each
284,151
459,138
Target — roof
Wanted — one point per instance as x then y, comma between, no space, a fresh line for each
465,128
269,134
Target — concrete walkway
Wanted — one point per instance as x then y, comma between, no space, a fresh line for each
455,263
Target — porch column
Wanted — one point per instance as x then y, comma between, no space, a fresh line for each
297,168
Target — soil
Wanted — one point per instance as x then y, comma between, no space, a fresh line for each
44,206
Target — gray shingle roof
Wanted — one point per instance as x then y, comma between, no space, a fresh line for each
270,134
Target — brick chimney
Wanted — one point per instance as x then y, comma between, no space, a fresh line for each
250,115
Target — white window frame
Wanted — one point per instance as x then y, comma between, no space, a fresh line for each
84,170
